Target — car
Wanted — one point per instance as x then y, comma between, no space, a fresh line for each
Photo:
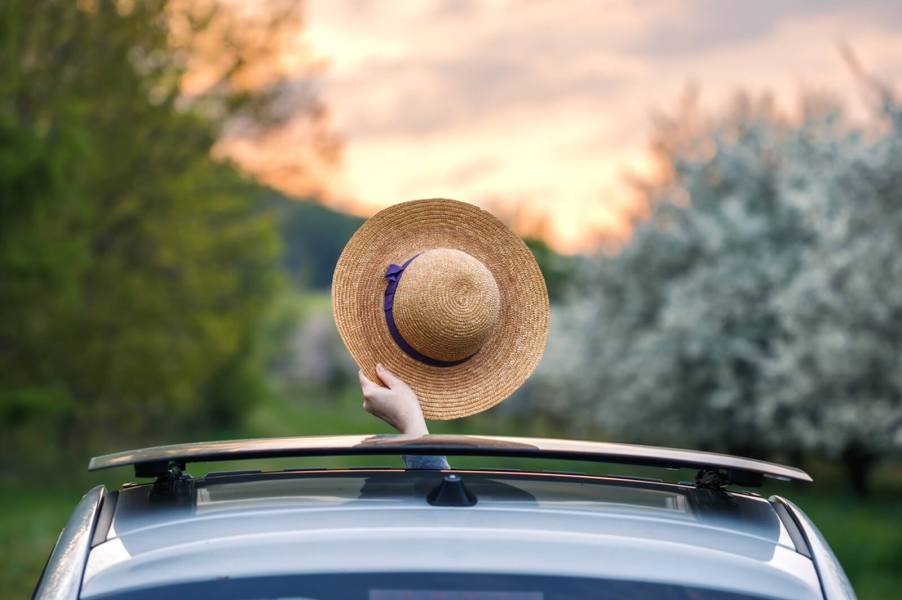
450,534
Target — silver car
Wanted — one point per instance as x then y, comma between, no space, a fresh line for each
407,534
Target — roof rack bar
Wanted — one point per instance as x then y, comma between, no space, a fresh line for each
156,461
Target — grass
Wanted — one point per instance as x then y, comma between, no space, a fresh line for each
865,534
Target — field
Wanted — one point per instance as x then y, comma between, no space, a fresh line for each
866,535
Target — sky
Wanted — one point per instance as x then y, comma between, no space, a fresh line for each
541,110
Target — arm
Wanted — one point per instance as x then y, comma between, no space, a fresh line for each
397,404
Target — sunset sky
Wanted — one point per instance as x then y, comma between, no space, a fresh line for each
542,107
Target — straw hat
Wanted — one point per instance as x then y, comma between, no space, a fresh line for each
446,297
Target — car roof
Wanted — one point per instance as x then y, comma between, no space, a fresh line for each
379,520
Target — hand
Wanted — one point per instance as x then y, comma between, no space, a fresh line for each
396,404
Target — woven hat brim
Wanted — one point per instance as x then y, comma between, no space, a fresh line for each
509,355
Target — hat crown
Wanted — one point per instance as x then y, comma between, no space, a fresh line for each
447,304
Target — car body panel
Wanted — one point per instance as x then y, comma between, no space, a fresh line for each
834,582
379,521
62,577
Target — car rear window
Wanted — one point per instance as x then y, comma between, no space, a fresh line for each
424,586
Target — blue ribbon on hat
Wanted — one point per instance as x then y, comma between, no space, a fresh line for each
393,275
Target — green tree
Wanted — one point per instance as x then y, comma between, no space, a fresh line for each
133,265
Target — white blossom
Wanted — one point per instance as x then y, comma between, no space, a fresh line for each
764,313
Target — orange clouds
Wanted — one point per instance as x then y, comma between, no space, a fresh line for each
542,107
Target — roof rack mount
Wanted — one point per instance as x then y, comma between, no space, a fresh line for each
715,470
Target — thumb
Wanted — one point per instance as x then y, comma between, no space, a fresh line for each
387,377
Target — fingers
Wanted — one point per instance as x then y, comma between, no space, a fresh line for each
364,380
388,378
368,388
374,395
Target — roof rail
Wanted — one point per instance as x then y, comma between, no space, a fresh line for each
62,576
715,470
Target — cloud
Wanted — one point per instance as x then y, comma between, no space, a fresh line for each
707,25
474,170
427,96
546,104
411,69
455,9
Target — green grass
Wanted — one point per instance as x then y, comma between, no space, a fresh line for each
29,524
866,535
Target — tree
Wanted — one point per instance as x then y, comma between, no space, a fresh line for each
728,319
682,315
133,264
836,377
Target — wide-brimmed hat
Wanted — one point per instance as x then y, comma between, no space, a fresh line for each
448,298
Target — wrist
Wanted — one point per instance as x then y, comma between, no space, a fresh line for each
415,430
414,427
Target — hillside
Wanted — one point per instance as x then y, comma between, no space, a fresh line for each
313,236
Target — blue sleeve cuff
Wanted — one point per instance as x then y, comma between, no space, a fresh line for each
425,462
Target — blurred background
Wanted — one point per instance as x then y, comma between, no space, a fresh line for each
713,191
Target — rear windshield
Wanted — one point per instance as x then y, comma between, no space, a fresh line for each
423,586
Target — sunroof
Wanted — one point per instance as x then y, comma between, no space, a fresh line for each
304,490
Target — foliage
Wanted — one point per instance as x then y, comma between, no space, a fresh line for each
313,236
754,310
133,266
835,379
557,269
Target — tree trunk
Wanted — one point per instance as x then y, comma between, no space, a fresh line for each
858,464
